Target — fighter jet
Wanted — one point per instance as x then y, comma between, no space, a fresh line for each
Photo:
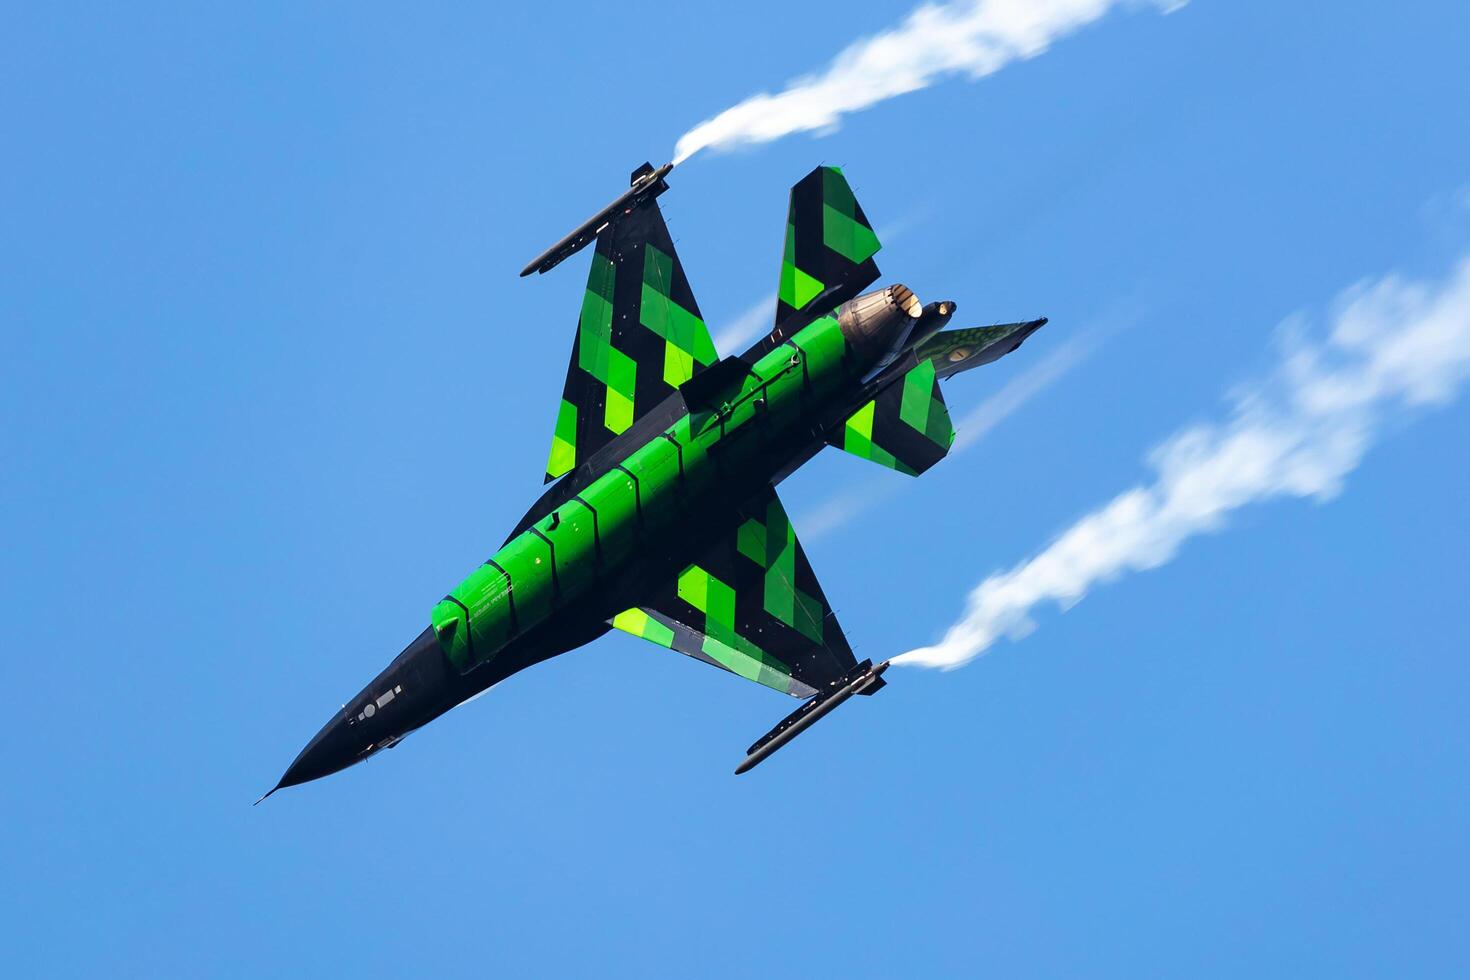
661,519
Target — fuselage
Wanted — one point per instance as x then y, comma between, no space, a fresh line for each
632,515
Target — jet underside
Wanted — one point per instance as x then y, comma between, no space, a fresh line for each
662,518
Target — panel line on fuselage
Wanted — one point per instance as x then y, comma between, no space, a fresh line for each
469,632
510,594
555,579
596,534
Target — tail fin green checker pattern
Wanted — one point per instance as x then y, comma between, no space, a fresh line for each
639,337
829,251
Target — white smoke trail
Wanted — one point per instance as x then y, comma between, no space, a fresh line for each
977,38
1393,345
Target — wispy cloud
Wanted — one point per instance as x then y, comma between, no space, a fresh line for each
1393,346
842,507
1447,214
755,322
977,423
936,41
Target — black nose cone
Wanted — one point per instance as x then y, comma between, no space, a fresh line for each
414,688
333,749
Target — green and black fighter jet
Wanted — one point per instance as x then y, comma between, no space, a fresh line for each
662,519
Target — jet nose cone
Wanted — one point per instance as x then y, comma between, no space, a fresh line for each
412,690
332,749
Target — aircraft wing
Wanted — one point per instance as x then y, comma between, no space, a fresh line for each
751,605
639,337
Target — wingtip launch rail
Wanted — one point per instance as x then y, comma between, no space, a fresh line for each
645,185
863,679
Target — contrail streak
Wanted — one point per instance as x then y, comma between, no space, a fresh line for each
1393,346
754,322
978,422
844,506
936,41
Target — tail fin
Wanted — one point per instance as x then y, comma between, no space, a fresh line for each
906,427
828,258
829,249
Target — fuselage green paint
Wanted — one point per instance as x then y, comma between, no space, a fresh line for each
595,536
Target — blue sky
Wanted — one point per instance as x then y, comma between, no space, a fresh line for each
258,290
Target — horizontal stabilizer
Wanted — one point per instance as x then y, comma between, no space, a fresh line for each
906,427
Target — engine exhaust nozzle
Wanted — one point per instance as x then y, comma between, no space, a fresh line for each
877,324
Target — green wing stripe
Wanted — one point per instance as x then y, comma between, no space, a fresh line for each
751,605
640,623
563,441
687,343
743,660
640,335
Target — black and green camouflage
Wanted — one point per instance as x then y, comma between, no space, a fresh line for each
828,258
639,337
905,428
751,605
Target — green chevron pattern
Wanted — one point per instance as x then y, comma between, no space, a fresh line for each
828,251
687,342
639,337
905,428
750,605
